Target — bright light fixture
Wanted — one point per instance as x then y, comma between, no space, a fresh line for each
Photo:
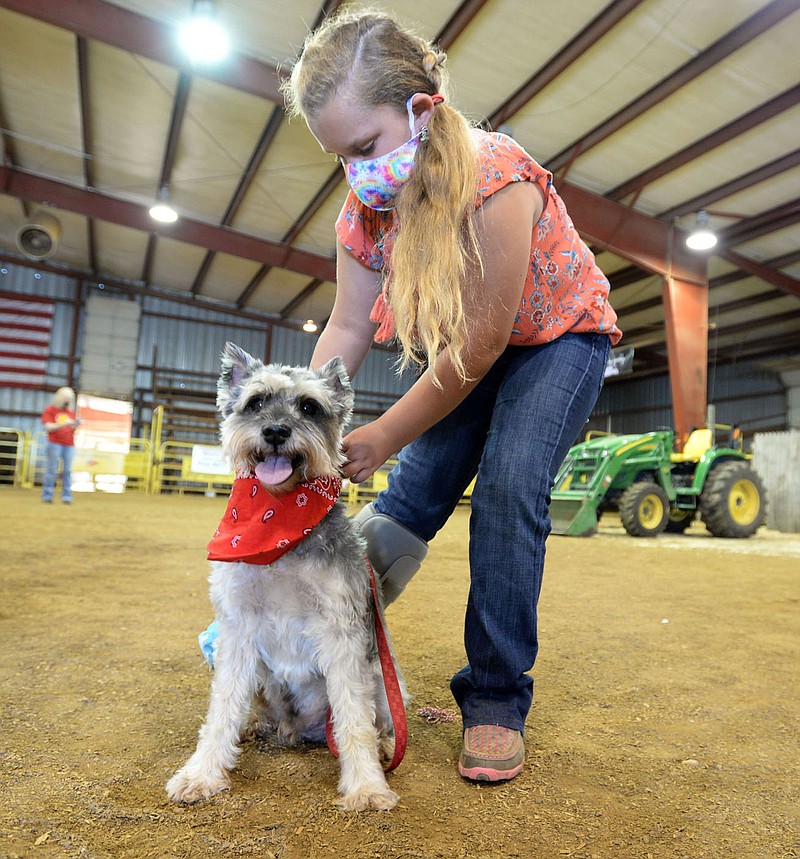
310,326
164,213
161,210
702,238
202,37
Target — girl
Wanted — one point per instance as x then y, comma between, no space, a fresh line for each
454,242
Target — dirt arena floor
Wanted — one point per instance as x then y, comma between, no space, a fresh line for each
665,722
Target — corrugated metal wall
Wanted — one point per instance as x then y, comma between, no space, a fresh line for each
776,458
743,394
186,338
176,337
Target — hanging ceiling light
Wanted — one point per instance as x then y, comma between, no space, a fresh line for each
202,37
702,237
161,210
310,326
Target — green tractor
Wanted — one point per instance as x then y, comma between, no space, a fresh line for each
655,489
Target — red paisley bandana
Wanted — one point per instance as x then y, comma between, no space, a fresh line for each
259,527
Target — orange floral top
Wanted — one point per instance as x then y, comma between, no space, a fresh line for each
564,288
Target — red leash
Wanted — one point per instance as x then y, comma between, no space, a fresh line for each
393,694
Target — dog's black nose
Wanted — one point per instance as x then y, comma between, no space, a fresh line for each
276,434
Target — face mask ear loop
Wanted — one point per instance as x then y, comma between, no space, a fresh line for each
410,110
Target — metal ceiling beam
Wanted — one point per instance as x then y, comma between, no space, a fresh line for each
719,325
759,225
9,155
754,26
716,283
331,184
255,282
784,282
741,125
87,140
151,291
761,174
328,8
627,276
753,324
179,102
777,263
301,296
765,347
93,204
648,243
458,22
775,345
608,18
96,19
246,180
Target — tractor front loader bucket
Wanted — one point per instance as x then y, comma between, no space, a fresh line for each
574,517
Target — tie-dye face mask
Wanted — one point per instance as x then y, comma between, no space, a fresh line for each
376,182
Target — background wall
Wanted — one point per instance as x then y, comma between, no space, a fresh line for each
179,347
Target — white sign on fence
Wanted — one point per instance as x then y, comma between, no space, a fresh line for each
208,459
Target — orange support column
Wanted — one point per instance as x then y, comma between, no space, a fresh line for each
686,320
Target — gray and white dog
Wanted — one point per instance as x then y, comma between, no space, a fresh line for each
297,635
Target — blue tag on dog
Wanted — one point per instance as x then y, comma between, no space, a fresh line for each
208,642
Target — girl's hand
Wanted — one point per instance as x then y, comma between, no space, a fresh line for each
366,449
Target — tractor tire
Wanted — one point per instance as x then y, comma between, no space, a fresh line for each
679,520
733,502
644,509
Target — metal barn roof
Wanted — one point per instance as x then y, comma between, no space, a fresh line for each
664,107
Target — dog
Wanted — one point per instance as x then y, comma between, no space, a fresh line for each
296,632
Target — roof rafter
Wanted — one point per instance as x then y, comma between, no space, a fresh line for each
763,113
740,183
598,27
97,19
256,158
87,139
748,30
30,186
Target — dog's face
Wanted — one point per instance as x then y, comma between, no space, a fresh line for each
282,423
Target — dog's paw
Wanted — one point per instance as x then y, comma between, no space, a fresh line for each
369,800
187,786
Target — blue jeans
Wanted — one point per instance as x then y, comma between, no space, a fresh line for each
512,431
56,452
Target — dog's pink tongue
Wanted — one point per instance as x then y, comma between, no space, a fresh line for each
274,470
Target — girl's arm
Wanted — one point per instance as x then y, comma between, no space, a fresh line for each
349,331
505,225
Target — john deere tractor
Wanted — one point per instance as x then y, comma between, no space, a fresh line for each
655,489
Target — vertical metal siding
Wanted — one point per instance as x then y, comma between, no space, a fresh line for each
743,394
746,394
776,458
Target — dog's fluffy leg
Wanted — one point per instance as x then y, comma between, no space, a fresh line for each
351,693
232,690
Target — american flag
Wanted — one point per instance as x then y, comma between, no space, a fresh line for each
25,325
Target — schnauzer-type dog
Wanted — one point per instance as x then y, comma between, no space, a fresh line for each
296,630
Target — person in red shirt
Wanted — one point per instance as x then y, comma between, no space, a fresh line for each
454,243
60,422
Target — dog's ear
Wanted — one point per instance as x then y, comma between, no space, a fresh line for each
237,367
335,374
